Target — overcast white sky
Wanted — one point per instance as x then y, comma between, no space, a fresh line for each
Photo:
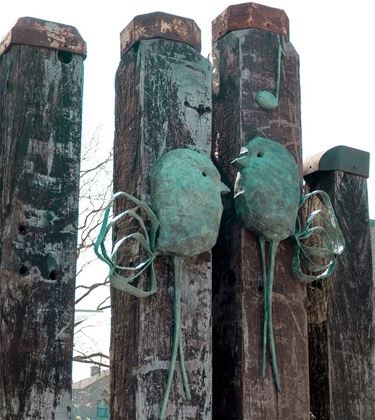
335,40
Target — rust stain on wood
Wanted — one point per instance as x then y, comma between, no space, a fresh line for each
45,34
250,15
160,25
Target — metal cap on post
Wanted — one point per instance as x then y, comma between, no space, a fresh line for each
45,34
250,15
160,25
339,158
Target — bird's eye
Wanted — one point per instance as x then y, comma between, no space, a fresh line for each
260,154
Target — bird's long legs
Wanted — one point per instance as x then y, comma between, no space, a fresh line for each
262,245
267,278
177,340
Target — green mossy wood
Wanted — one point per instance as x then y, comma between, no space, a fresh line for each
163,102
40,134
244,63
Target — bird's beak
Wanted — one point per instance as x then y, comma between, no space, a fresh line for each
239,163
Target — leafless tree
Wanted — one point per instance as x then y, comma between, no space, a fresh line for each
92,289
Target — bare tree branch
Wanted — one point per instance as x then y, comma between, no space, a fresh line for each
95,191
100,307
90,289
89,358
98,166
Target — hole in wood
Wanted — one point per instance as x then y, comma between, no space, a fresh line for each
65,56
23,270
22,229
231,278
204,174
53,275
260,154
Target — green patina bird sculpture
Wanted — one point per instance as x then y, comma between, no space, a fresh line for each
184,220
267,197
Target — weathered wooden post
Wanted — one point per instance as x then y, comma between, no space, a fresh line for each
163,101
41,75
340,309
246,42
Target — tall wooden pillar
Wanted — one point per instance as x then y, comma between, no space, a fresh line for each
163,101
41,76
341,336
245,46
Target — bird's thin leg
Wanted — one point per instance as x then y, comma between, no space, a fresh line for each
262,246
177,268
185,380
273,251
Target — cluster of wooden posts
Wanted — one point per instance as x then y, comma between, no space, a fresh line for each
169,96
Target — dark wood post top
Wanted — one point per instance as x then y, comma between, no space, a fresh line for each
250,15
160,25
45,34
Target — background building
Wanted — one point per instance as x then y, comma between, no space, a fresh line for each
91,396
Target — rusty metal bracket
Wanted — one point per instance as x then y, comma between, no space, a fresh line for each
45,34
160,25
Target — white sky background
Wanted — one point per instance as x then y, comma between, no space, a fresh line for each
335,41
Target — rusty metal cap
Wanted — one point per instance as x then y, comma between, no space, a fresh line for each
250,15
160,25
44,34
339,158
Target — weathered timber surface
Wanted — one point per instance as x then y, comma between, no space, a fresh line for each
244,62
250,15
161,88
160,25
41,33
40,131
341,337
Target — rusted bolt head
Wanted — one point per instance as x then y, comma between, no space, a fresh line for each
160,25
250,15
44,34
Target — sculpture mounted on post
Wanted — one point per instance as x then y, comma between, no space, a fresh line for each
184,219
267,199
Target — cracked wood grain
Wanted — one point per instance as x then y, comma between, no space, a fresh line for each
40,132
155,81
244,62
341,330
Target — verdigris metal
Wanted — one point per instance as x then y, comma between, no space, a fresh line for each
266,99
267,199
339,158
267,189
185,195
